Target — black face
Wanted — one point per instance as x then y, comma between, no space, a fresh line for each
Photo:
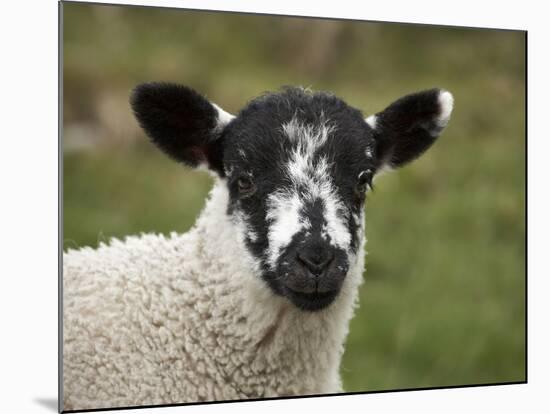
298,166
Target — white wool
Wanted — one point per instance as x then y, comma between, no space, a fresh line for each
185,318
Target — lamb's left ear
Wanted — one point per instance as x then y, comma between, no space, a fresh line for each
410,125
182,123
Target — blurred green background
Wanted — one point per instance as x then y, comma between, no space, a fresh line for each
443,301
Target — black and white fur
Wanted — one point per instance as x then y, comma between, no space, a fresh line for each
255,300
296,165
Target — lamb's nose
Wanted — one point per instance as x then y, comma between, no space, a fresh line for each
316,260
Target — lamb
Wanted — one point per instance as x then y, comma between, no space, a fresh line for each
255,300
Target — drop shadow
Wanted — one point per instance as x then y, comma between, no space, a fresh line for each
49,403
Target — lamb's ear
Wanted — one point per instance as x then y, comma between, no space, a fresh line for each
410,125
182,123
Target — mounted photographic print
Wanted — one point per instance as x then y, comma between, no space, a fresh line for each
222,173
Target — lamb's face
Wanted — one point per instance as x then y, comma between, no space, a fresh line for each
297,166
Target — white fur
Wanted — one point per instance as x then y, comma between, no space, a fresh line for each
336,215
157,320
309,137
368,152
371,120
312,180
285,221
223,117
446,102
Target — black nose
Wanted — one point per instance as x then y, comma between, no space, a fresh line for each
316,260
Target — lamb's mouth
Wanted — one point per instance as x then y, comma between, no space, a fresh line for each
311,301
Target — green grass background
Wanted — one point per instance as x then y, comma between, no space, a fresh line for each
443,301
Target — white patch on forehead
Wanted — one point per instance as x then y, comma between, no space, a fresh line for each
308,137
305,171
311,180
283,214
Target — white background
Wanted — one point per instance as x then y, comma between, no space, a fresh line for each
28,174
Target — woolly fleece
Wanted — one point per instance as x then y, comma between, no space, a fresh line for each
160,320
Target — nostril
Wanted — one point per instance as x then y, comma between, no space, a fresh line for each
316,261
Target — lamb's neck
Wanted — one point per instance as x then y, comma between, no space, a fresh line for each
266,320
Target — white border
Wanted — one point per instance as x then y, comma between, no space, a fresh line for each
28,170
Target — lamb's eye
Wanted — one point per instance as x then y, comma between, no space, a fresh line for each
364,181
246,186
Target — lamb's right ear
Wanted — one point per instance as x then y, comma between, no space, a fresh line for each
182,123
